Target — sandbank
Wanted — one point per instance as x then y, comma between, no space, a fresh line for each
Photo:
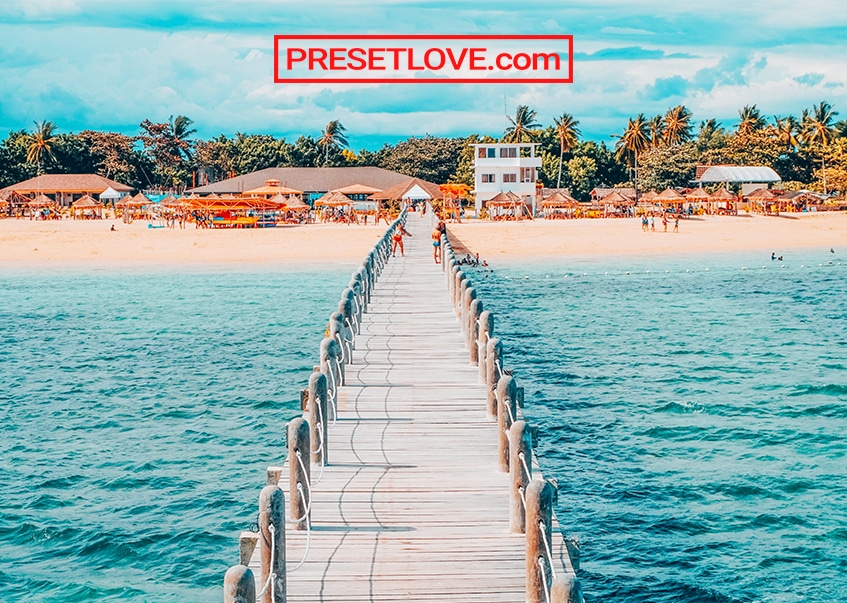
621,237
80,243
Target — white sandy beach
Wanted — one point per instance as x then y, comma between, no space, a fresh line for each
82,243
91,242
496,241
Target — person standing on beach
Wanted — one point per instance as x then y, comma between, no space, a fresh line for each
652,223
676,224
665,222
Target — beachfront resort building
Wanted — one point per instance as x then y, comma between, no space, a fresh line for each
314,182
505,168
64,189
750,177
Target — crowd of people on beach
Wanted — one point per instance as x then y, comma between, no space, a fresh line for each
648,223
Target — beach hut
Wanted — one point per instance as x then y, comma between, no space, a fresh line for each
615,204
722,201
764,200
558,205
87,207
507,205
336,207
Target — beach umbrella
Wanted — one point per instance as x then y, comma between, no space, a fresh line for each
87,202
723,195
698,194
616,198
42,200
293,203
670,197
559,200
761,194
334,199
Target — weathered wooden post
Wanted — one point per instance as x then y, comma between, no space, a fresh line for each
338,331
272,543
539,539
473,330
566,589
520,472
485,332
457,289
239,585
345,306
451,283
299,477
247,543
358,304
318,417
467,297
332,366
493,351
366,287
506,413
464,285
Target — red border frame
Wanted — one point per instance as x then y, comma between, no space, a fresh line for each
335,80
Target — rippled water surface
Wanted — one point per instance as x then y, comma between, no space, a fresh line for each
137,415
696,420
695,414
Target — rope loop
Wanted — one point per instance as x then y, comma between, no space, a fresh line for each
544,578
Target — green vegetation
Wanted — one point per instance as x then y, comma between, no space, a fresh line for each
809,151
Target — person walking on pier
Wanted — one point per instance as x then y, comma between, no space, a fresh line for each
436,241
397,240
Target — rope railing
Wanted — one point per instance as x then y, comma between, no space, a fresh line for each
522,457
544,578
547,548
477,324
271,575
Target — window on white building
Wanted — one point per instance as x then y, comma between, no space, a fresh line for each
508,152
510,177
488,178
481,153
527,174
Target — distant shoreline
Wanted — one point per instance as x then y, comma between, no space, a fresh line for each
624,238
90,243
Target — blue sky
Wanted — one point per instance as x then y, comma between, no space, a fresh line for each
110,64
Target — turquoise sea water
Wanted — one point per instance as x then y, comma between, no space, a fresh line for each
137,415
696,421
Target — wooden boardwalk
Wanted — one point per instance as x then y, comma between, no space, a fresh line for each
412,505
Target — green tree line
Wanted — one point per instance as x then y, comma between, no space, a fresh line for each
809,151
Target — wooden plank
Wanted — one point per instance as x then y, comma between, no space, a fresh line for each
412,506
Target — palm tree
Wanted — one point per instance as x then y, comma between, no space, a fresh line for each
787,130
657,130
180,131
677,125
523,125
633,142
40,143
568,134
751,120
332,136
818,128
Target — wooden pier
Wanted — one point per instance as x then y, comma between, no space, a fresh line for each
413,504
